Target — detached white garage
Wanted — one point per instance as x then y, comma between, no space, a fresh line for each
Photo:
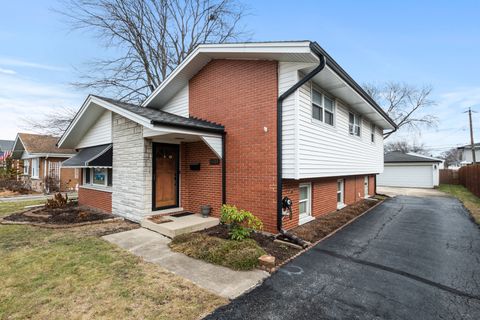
409,170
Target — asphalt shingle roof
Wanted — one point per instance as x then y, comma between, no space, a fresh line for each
37,143
165,118
6,145
392,157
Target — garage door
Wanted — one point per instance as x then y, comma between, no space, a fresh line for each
406,176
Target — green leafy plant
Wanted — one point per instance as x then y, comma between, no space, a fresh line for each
241,222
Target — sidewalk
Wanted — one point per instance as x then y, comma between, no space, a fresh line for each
153,247
71,195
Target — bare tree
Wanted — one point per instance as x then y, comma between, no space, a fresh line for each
151,38
451,156
405,147
52,123
404,104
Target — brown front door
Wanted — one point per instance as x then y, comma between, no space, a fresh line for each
165,179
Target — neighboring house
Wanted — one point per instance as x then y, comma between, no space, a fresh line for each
409,170
466,156
40,163
5,150
244,124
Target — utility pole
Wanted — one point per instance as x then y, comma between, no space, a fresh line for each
471,134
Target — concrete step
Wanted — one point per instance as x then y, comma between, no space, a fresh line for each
180,225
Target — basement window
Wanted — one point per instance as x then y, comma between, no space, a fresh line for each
340,193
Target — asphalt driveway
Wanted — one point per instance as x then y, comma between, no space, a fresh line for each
410,258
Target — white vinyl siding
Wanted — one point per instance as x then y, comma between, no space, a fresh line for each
99,133
178,104
287,77
311,150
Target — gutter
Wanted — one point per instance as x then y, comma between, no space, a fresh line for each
315,48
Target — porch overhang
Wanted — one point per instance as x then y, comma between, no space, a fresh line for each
176,135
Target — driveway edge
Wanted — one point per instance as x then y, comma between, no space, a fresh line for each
326,237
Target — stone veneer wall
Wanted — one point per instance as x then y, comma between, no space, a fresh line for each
132,172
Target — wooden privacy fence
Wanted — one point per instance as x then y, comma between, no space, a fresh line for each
449,176
469,177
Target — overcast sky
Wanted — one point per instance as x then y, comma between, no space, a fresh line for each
433,42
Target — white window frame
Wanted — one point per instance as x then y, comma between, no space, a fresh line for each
373,128
322,107
35,168
308,215
341,204
95,185
357,123
366,186
26,167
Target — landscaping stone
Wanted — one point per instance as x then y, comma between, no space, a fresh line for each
267,262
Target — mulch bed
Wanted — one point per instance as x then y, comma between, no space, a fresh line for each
325,224
59,216
280,251
311,231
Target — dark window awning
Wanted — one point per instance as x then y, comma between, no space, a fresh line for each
98,156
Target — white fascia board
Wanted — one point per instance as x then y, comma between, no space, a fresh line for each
268,47
162,130
106,105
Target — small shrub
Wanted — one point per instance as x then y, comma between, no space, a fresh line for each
241,222
58,201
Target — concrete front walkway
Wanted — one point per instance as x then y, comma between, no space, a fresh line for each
153,247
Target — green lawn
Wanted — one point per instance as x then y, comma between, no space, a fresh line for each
469,200
73,274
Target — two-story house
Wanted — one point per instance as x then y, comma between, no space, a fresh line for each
466,155
245,124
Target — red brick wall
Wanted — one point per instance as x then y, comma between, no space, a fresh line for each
290,189
324,195
95,198
371,185
354,189
200,187
242,96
